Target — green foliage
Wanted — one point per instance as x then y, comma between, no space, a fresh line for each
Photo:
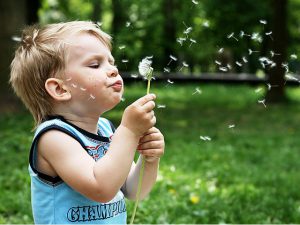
246,174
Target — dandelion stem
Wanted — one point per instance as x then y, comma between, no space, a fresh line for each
138,193
139,188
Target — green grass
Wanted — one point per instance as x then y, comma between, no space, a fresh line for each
246,174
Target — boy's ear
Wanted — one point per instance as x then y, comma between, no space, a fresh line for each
57,89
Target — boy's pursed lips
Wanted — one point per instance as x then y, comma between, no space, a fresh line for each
117,85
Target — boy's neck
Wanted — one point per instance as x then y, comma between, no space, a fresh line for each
86,123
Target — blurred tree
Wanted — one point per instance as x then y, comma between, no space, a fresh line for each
97,10
13,17
280,45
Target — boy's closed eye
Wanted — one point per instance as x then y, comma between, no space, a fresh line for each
94,66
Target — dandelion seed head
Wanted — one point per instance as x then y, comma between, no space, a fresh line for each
145,68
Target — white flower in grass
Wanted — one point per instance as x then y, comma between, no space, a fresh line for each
145,68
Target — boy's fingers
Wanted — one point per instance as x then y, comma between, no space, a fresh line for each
149,106
143,100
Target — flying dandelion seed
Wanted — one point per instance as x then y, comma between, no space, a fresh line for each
290,77
264,22
293,56
221,50
206,24
181,40
250,51
134,75
170,82
74,85
123,99
231,35
195,2
238,63
285,66
272,53
161,106
223,69
228,66
91,97
242,34
122,47
231,126
256,37
197,91
99,24
205,138
69,79
270,86
172,58
269,34
184,64
262,102
128,24
16,38
83,89
258,90
125,60
218,62
172,168
167,70
192,41
245,59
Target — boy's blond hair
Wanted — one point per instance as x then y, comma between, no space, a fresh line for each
41,55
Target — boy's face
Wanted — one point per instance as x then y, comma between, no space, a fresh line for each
90,73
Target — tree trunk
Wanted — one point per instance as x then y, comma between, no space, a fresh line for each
97,10
15,14
119,18
280,35
12,19
169,33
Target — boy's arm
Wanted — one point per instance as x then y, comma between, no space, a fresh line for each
151,146
101,180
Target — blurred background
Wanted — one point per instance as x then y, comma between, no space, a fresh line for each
226,77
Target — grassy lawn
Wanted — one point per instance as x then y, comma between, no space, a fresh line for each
249,173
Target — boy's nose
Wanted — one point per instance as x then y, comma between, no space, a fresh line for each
113,72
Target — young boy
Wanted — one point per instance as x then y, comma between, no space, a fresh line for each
80,167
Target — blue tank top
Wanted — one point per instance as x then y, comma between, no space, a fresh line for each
53,201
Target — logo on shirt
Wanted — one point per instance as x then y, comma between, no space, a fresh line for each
96,212
97,151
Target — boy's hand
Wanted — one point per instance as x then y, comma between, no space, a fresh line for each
139,116
152,145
